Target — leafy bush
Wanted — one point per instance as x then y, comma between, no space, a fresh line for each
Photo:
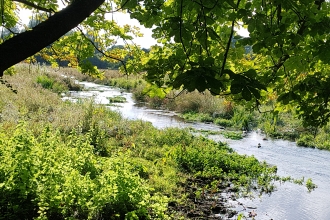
47,177
242,118
218,161
45,81
306,141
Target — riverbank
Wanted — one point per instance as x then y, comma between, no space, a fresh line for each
56,155
300,162
204,107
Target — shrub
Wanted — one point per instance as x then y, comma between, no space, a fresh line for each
306,141
218,161
45,81
56,85
47,177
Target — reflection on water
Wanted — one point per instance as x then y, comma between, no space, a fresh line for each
290,201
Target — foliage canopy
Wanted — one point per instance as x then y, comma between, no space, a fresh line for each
200,46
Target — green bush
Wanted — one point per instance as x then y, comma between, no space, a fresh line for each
59,88
306,141
242,118
53,84
45,81
48,178
218,161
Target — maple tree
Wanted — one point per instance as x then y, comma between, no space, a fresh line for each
200,46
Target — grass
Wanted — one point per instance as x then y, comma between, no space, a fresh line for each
117,99
234,135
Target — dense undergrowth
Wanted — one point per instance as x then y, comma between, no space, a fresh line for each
63,160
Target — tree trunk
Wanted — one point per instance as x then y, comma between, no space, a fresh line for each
30,42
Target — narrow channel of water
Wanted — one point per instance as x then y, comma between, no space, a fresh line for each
290,201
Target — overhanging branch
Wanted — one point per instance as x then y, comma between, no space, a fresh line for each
30,42
35,6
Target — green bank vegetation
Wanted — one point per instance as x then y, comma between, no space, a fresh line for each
63,160
204,107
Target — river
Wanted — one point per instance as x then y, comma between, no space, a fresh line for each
289,201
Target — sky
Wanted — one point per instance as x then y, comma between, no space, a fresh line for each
145,42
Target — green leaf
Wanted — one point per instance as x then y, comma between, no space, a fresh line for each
246,94
213,83
251,73
213,34
236,88
231,3
209,20
255,92
201,84
251,26
180,80
248,5
229,72
209,61
241,13
284,98
257,47
186,35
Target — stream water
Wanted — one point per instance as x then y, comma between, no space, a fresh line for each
289,201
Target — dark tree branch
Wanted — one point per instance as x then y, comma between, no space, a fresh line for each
35,6
30,42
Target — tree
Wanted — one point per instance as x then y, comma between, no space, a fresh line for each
203,50
30,42
53,28
200,46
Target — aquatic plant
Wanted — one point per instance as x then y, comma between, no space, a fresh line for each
117,99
